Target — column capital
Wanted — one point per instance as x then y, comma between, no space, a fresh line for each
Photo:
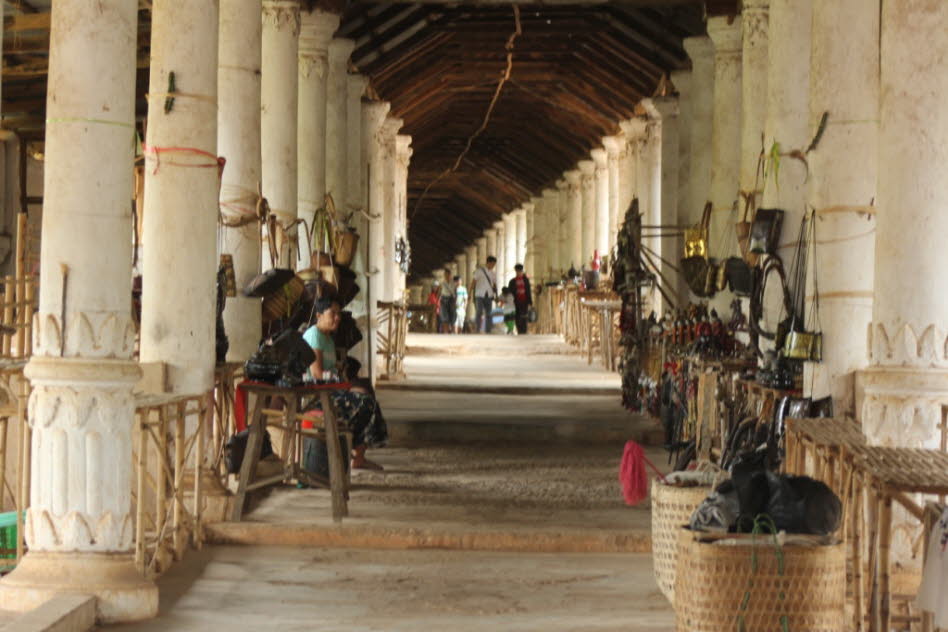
633,128
355,85
536,201
662,107
614,145
550,193
316,29
339,50
698,47
600,158
528,207
389,129
282,14
573,177
374,113
586,168
755,23
499,225
725,34
561,184
681,80
403,150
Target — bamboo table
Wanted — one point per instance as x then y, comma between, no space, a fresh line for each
891,474
257,423
606,311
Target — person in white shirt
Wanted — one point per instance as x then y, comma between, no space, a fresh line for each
485,291
448,307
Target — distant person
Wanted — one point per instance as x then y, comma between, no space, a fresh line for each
519,286
448,300
485,291
510,311
461,305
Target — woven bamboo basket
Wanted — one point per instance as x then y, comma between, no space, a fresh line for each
671,508
280,304
346,242
713,580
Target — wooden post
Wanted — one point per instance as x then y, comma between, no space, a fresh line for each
257,424
858,530
24,473
872,542
336,470
9,298
28,314
205,424
21,237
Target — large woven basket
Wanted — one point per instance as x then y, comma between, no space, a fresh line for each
713,580
671,508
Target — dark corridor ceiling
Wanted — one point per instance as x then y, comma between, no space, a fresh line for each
577,70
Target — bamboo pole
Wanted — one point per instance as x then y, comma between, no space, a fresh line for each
177,524
24,478
205,424
21,237
883,596
28,314
161,480
9,297
140,491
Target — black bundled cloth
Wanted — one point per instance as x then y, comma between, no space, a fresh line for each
282,362
796,504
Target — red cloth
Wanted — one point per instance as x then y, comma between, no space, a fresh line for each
632,474
240,408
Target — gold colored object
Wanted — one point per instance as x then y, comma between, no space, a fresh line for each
230,280
696,238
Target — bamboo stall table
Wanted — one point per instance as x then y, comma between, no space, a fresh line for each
295,399
830,443
887,475
605,313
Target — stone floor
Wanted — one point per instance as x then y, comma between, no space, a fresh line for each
290,589
499,508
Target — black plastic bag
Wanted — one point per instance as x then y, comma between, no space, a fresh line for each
236,447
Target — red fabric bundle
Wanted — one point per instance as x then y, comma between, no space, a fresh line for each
632,474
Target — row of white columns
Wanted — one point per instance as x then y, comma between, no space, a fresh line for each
266,88
872,182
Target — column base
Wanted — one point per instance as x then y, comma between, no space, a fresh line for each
902,406
122,594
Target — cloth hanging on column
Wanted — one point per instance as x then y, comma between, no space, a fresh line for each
931,594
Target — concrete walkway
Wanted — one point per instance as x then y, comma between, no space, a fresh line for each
499,508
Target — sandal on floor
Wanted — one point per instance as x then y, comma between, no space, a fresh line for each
365,464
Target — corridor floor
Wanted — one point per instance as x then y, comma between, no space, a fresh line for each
499,508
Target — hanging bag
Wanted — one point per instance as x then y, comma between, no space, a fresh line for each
765,231
799,343
699,274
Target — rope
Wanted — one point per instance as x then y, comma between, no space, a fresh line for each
217,162
187,95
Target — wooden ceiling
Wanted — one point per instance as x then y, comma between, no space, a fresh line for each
577,69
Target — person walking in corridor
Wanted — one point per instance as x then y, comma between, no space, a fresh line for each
448,309
519,286
485,291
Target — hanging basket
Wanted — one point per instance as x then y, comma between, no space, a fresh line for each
279,304
672,507
346,242
714,581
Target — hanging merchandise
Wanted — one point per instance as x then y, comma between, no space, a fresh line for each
765,231
699,273
403,255
801,344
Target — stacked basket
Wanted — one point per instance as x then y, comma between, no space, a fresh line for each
753,584
672,507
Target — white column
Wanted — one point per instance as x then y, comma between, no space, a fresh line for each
181,198
668,109
574,219
626,178
842,188
614,145
701,51
460,264
491,235
316,29
278,120
373,115
403,154
79,527
355,185
682,81
482,251
501,252
726,125
754,73
470,255
551,243
562,241
539,238
238,141
600,157
389,132
520,218
908,382
587,170
510,247
788,104
530,256
337,117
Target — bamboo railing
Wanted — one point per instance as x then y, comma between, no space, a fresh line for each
392,335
